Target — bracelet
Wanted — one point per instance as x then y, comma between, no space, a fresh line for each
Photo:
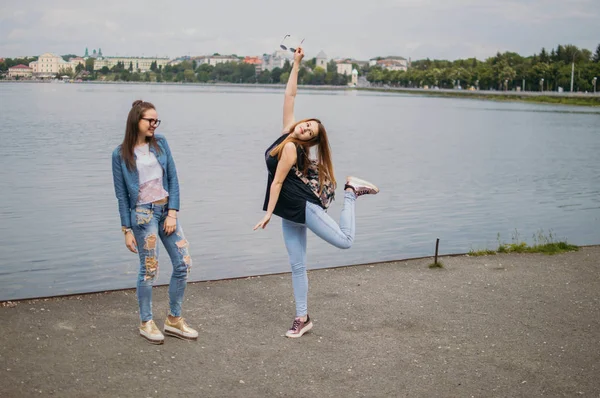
125,230
171,216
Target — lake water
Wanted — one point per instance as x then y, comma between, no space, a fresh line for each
458,169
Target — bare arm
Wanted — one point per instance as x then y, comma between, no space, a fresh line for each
290,92
288,159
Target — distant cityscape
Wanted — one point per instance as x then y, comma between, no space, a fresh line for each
565,68
49,65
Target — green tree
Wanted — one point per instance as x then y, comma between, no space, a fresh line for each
65,72
118,68
596,57
186,65
264,77
276,75
507,75
189,75
204,72
540,71
311,63
318,76
89,65
283,78
375,75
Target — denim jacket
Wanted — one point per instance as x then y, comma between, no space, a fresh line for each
127,184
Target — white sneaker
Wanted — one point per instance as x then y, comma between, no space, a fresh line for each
361,187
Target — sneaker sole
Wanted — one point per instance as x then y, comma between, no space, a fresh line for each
304,330
168,332
149,340
366,184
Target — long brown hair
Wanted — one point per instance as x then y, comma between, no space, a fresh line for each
324,162
131,132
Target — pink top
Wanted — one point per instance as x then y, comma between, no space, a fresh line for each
150,176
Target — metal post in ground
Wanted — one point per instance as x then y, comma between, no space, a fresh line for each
437,245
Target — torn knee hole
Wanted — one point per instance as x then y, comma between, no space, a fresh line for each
151,267
150,242
182,243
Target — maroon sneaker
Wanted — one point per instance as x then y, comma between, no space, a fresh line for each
299,327
361,187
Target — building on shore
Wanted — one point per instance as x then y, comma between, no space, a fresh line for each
276,59
48,66
256,61
214,60
390,63
20,71
344,67
136,64
75,61
322,60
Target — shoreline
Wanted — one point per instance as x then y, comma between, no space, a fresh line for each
546,97
3,303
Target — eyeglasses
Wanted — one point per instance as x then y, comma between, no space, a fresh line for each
290,48
153,122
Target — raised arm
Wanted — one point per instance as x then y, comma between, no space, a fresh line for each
290,92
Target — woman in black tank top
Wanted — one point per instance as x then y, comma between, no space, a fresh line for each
300,189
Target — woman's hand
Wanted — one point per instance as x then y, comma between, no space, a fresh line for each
298,55
130,242
170,224
263,223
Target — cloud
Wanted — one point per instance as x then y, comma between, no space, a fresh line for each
412,28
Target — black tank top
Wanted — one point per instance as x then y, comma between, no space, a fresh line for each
294,193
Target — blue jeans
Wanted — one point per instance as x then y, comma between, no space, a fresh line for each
319,222
147,223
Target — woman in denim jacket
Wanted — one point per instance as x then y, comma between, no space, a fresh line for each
147,190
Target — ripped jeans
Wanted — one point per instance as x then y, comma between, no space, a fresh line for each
147,223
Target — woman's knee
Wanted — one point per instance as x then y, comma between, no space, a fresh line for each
182,270
298,268
344,243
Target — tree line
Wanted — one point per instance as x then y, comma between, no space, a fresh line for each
504,71
230,72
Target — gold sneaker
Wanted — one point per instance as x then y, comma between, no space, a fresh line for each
150,332
180,329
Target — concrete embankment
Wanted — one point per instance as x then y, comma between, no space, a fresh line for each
511,325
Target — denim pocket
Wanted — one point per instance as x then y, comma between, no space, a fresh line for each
143,215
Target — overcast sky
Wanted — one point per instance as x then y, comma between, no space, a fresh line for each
441,29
